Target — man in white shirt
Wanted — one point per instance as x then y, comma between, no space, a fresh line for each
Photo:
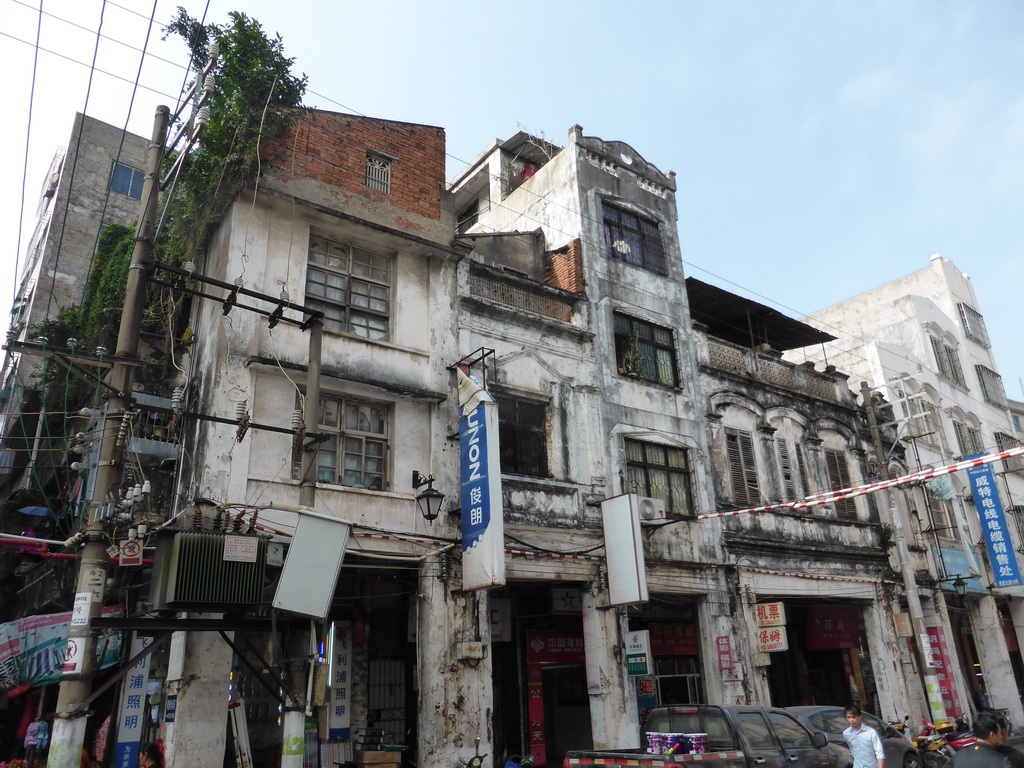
865,743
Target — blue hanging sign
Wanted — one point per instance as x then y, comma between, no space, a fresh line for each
1001,553
483,526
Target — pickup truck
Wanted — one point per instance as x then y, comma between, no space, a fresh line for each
738,737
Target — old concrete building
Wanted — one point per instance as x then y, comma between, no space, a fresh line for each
920,341
350,220
93,183
781,433
574,291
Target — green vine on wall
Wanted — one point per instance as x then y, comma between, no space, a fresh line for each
256,99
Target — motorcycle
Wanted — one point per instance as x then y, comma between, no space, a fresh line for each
957,734
934,749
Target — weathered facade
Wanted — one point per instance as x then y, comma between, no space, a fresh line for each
93,183
920,341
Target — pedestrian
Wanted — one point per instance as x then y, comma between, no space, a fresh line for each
991,734
151,756
864,741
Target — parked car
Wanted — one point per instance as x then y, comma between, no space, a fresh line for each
737,737
899,750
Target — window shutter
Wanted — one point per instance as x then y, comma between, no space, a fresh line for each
839,477
956,371
802,469
788,490
742,470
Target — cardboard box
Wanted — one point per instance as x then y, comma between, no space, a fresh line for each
378,759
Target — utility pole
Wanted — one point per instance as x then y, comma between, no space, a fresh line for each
71,715
929,680
299,651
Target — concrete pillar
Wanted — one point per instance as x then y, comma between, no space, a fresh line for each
614,720
994,656
455,692
745,630
895,694
940,617
1016,606
715,619
198,669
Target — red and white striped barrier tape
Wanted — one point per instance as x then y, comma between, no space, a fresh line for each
860,490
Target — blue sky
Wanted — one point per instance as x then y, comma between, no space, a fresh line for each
821,148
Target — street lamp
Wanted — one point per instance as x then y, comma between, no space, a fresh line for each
960,585
429,501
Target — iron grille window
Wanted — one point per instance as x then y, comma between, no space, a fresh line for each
839,477
661,472
645,351
974,324
355,450
1004,441
351,286
378,173
739,446
126,180
924,422
523,436
991,386
968,439
948,361
633,239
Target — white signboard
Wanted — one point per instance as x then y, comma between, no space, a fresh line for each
624,550
80,613
638,653
772,639
240,549
770,614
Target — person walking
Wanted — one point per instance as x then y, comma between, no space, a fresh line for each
991,734
864,742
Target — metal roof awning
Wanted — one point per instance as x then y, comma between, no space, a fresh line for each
745,322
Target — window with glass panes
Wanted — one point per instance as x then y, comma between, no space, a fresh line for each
645,351
661,472
126,180
354,452
523,436
351,286
633,239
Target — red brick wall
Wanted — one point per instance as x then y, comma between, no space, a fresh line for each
564,268
332,148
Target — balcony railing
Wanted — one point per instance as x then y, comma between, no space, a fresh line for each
769,369
517,297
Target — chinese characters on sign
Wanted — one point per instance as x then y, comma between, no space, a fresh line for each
638,653
483,526
772,639
132,714
938,657
673,639
770,614
1001,553
339,720
724,647
831,627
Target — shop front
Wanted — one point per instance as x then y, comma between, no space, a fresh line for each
826,659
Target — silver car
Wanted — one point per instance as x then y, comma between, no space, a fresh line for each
899,750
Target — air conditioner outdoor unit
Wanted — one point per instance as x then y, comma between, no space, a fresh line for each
650,510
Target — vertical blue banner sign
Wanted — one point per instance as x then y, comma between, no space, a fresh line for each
1001,552
132,714
483,525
